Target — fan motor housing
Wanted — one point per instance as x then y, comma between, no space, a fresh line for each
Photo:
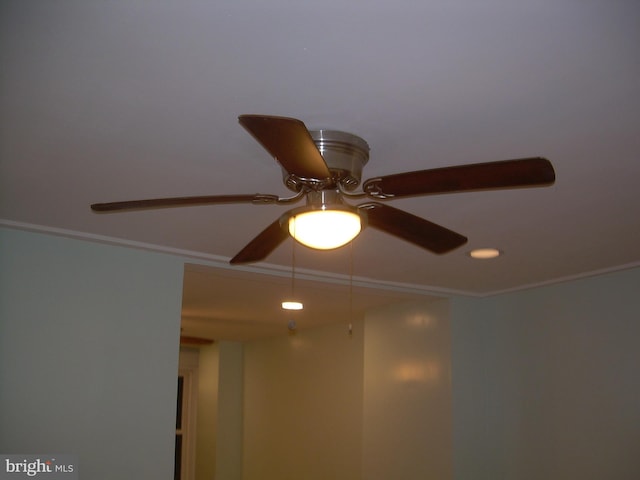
345,155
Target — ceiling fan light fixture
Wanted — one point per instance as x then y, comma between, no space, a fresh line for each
326,228
325,166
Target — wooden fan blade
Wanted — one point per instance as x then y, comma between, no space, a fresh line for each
289,142
411,228
524,172
182,202
262,245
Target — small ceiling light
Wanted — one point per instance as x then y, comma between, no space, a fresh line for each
485,253
292,305
325,229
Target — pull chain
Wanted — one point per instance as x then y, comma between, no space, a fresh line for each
350,327
291,325
293,267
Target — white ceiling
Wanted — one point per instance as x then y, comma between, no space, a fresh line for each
120,100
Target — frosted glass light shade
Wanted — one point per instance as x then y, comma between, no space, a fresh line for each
325,229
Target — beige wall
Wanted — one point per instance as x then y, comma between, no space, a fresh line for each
303,406
207,412
407,393
377,405
230,412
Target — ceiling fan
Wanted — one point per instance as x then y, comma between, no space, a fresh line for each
325,168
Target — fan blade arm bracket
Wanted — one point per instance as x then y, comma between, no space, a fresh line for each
282,200
350,194
297,183
373,188
265,199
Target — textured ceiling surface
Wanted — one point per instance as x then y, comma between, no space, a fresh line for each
120,100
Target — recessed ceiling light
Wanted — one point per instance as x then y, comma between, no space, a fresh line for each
291,305
485,253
